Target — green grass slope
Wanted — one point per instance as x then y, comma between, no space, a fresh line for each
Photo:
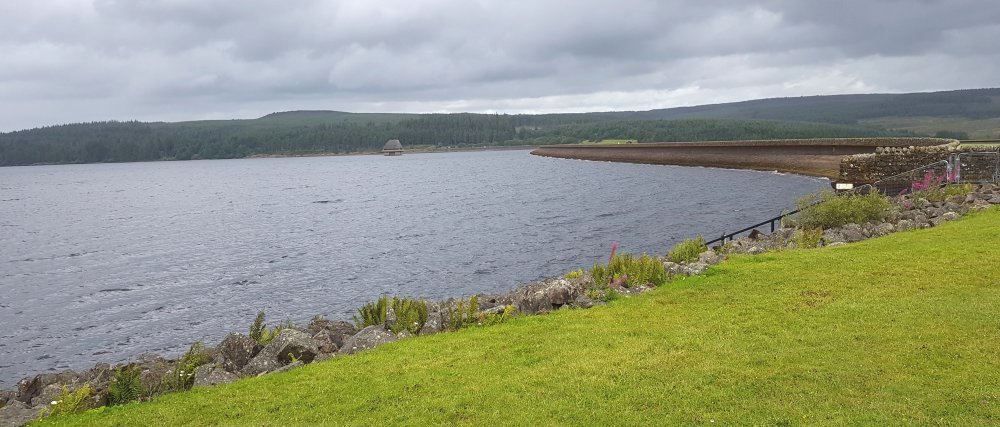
900,330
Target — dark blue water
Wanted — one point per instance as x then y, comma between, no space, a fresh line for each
104,262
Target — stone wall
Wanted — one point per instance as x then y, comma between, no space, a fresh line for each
867,168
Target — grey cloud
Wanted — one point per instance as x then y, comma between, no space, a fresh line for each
177,59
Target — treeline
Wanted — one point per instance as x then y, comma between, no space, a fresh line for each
138,141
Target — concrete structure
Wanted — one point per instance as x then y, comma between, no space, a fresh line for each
393,148
817,157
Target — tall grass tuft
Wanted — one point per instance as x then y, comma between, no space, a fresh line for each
806,238
644,270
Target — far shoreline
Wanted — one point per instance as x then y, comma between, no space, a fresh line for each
419,149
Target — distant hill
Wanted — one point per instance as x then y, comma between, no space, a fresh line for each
973,112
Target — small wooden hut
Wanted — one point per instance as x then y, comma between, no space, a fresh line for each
393,148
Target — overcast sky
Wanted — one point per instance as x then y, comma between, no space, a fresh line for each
83,60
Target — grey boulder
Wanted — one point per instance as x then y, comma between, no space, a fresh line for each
434,323
338,330
16,414
546,295
366,339
236,351
289,344
212,374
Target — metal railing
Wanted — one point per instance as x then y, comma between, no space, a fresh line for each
897,184
976,166
968,167
731,236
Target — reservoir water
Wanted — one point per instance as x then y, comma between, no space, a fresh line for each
102,262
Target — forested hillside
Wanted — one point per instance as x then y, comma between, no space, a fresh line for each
305,132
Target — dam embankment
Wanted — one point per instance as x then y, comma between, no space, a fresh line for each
816,157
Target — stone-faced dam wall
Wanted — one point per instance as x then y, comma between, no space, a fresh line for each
817,157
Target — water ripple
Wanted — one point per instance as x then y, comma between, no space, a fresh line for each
105,262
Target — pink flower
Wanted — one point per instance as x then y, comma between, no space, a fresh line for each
614,247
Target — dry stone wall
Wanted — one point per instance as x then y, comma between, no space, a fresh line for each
885,162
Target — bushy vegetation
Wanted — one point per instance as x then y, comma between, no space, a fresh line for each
125,386
261,334
68,402
806,238
462,314
411,314
644,270
687,250
372,313
575,274
832,210
181,377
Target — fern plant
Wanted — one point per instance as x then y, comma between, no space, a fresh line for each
67,402
261,334
462,314
411,315
125,387
372,313
182,376
257,328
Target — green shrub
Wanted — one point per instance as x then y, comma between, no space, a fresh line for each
836,211
67,402
640,271
462,314
411,315
575,274
807,237
372,313
612,295
181,377
125,387
688,250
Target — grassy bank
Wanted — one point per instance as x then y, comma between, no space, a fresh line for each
896,330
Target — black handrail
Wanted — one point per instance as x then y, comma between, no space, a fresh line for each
732,235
